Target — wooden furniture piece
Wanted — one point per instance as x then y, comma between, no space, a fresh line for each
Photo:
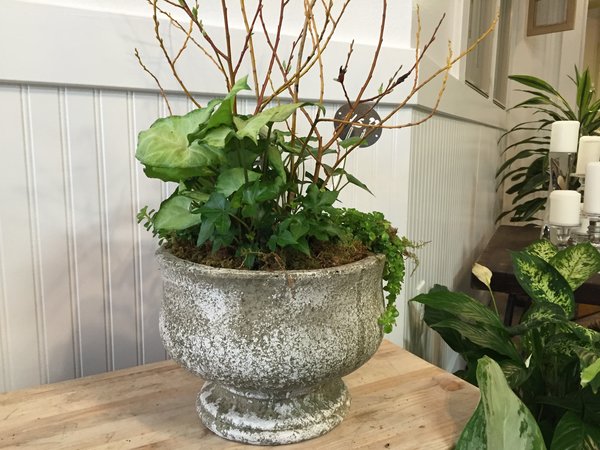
496,257
399,401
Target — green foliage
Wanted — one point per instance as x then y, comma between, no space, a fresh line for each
551,363
378,235
531,151
501,420
242,186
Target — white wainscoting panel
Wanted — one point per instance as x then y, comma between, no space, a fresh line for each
452,205
79,287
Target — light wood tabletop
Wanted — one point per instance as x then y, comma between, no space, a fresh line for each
399,401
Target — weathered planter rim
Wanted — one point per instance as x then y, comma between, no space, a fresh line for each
162,252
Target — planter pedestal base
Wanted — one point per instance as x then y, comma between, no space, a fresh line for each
257,418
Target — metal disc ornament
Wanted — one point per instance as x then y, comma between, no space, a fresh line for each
364,114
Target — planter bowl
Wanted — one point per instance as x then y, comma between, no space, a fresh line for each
272,346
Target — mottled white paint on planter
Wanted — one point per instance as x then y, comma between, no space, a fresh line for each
273,346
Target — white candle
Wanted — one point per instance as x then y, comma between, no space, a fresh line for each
591,197
564,208
589,151
564,136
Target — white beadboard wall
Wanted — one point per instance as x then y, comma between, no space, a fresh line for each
452,205
79,288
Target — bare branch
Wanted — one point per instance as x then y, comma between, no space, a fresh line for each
160,88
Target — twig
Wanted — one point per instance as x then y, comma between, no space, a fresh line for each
162,91
168,58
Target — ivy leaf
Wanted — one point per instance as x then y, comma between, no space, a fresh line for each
215,218
577,263
542,282
355,181
174,214
231,180
274,157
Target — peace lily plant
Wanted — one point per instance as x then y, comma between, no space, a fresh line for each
252,190
540,379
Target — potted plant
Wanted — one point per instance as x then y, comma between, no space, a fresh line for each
551,363
533,142
272,293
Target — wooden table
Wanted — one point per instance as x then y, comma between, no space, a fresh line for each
496,257
399,401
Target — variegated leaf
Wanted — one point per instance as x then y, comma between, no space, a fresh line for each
577,263
542,248
591,375
508,423
542,282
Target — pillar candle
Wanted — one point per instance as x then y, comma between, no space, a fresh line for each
591,198
564,208
589,151
564,136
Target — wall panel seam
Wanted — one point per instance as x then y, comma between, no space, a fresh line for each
34,226
71,227
104,230
4,338
135,231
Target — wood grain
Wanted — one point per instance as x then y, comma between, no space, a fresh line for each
399,401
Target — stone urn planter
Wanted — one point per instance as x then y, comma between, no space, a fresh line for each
272,346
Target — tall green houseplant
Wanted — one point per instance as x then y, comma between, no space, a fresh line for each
524,172
550,363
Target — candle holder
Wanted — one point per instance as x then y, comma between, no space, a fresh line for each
594,229
559,178
560,235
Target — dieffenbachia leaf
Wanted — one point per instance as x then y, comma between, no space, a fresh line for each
473,436
542,282
542,248
465,323
174,214
166,144
577,263
590,373
507,422
572,433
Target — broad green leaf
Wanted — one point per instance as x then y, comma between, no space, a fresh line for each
473,436
176,175
165,143
224,114
590,375
543,249
508,423
231,180
461,306
577,263
174,214
483,337
574,434
254,124
217,137
542,282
